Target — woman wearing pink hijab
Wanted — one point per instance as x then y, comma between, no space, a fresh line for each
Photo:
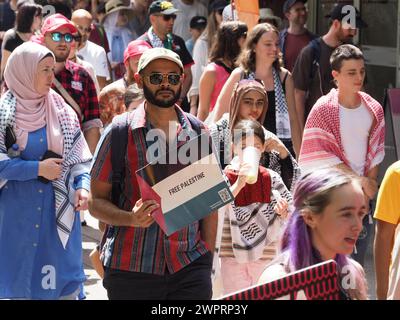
44,181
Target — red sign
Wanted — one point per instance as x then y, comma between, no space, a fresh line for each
318,282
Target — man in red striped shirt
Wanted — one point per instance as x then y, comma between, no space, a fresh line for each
140,260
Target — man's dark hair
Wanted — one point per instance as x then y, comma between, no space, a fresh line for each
345,52
25,16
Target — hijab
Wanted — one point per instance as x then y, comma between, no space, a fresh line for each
33,110
241,89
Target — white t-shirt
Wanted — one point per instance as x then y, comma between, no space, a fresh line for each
187,12
97,57
227,14
200,58
355,126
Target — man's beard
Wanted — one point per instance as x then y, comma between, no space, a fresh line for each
62,58
162,103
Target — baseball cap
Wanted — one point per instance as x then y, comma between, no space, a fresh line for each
20,3
218,5
290,3
162,7
158,53
135,48
55,22
339,12
198,22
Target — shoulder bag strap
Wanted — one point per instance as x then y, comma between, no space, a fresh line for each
68,98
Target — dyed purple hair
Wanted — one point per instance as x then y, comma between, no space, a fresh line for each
313,191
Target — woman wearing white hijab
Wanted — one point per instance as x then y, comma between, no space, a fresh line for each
40,239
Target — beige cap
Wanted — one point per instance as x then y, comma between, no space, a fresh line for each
158,53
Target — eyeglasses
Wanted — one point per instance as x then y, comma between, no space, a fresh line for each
168,17
57,36
157,78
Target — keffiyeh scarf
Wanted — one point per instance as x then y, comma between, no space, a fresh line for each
156,42
322,145
254,223
281,109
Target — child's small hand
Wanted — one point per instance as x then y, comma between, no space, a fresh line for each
281,208
243,172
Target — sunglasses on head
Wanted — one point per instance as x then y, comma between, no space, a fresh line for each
168,17
57,37
157,78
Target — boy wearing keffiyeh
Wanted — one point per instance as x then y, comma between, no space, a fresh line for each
346,129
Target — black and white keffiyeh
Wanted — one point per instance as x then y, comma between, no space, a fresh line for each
281,109
76,158
257,225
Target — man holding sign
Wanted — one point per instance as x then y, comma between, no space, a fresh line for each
141,261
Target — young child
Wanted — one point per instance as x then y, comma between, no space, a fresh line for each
252,223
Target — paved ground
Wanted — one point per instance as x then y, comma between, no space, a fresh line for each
370,270
91,235
94,288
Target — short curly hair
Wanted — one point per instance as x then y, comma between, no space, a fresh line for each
345,52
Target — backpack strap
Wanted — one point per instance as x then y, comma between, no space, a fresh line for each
119,143
196,124
316,55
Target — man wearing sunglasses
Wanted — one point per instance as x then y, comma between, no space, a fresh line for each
141,262
162,17
89,51
75,84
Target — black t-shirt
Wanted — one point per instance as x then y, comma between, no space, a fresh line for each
178,47
270,116
315,81
11,41
7,17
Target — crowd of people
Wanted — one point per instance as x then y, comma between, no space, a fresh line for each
84,83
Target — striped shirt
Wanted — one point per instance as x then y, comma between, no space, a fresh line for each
136,249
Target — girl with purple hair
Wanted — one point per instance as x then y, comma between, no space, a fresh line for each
329,207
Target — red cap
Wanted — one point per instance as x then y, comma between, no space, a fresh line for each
135,48
55,22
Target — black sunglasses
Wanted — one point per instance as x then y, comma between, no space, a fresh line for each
168,17
57,37
157,78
